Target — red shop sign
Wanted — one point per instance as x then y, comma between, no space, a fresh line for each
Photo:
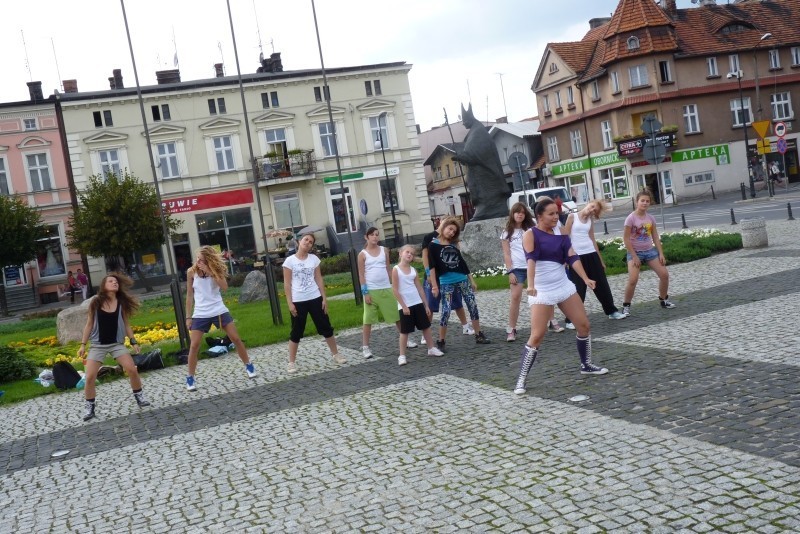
186,203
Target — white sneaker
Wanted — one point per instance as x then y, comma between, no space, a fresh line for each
411,344
401,360
292,368
338,358
435,352
467,330
422,341
366,352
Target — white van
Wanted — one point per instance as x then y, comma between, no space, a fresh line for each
533,195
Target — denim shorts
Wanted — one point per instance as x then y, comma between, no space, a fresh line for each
521,274
645,255
204,323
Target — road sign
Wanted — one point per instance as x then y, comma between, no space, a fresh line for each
764,146
782,145
517,161
761,128
779,129
650,125
362,205
654,151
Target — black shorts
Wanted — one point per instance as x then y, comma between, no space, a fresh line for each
416,319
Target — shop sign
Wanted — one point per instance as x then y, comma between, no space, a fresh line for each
719,152
570,167
185,203
634,147
365,175
606,159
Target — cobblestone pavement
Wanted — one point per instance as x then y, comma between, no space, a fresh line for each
695,429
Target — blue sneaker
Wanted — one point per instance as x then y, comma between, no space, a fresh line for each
251,370
190,386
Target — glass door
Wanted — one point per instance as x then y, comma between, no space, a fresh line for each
342,210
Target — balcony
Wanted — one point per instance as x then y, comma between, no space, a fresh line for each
298,164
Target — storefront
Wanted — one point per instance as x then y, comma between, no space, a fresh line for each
605,175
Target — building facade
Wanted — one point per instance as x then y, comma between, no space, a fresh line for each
707,75
200,143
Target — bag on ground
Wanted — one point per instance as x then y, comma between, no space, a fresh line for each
218,341
148,361
65,376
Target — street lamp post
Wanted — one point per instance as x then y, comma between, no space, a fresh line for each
379,142
738,75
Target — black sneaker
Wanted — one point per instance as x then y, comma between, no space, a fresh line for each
480,339
666,303
440,345
592,369
140,400
89,411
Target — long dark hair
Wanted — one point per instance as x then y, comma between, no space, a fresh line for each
128,302
527,222
541,205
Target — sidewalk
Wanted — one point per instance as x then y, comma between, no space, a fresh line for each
695,429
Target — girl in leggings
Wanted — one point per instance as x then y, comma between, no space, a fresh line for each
305,295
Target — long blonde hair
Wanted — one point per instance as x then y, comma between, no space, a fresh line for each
213,260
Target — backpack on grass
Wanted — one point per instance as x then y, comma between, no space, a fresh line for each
65,376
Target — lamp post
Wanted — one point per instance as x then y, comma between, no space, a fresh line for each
738,75
379,142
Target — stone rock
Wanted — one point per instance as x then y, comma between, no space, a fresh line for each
71,322
480,243
754,232
254,287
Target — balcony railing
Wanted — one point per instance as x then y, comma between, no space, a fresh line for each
296,163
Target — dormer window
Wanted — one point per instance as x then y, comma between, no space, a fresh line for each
633,43
735,28
553,68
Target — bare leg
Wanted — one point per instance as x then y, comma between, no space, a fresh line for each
233,335
331,341
513,310
428,337
293,351
403,342
195,338
366,332
130,368
633,279
91,368
663,277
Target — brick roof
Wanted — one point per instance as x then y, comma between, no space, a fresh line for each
644,20
576,54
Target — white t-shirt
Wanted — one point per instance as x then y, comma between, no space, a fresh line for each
207,298
518,260
304,287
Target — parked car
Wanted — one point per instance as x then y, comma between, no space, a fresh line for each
533,195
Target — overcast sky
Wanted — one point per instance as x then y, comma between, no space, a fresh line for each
458,48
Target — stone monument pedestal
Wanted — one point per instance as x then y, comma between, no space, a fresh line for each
480,243
754,232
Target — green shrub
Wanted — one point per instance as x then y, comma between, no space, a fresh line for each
335,264
237,280
42,314
14,365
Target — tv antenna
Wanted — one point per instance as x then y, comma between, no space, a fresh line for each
27,61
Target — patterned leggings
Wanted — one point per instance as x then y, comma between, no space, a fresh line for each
467,296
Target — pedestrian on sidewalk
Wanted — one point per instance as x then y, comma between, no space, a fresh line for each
415,312
374,274
519,221
107,324
643,243
580,229
204,282
305,295
83,280
450,274
546,253
72,286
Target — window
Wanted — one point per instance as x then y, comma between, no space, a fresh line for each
102,117
741,116
287,210
216,106
558,99
570,97
638,75
273,95
781,106
161,112
605,130
224,151
377,126
389,194
664,71
268,99
713,70
698,178
733,62
774,59
614,82
109,163
318,93
552,148
39,171
276,144
795,55
326,139
377,84
553,68
595,90
229,230
28,124
691,121
265,100
168,160
576,142
368,87
633,43
49,255
615,183
447,169
4,189
546,103
275,135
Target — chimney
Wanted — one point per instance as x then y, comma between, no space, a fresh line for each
271,64
168,76
35,90
70,86
118,79
218,70
670,7
597,22
501,120
111,82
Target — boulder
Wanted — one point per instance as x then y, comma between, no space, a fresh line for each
71,322
254,288
480,243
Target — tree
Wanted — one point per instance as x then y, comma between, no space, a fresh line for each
117,217
20,228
